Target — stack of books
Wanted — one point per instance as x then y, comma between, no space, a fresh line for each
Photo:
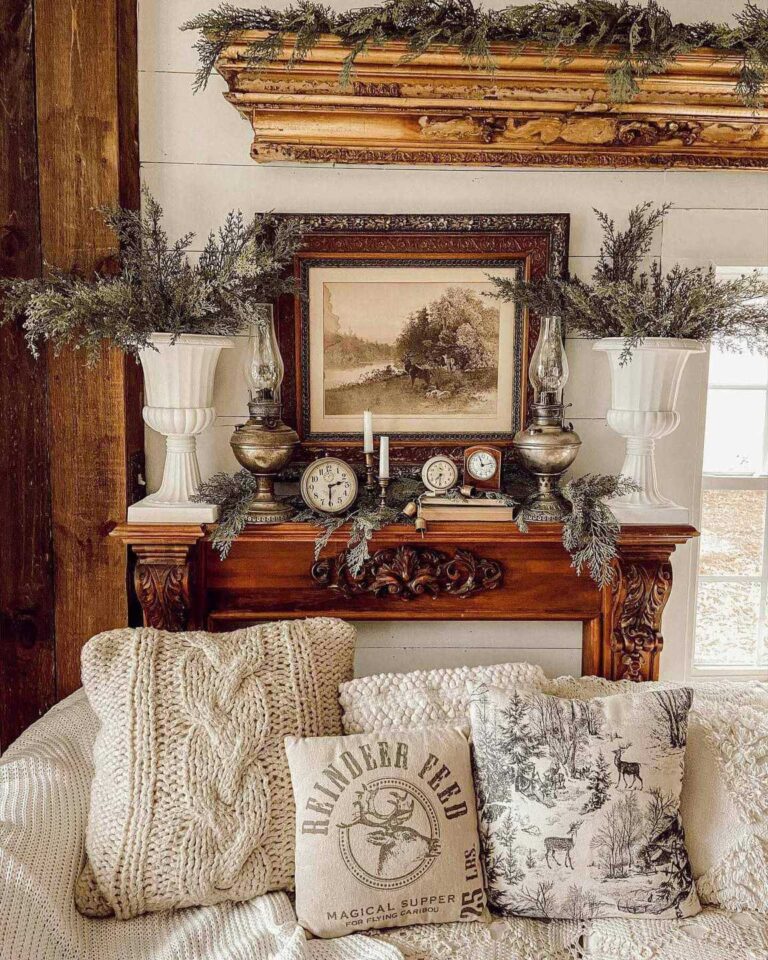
448,508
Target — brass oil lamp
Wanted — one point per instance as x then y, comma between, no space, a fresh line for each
264,445
547,446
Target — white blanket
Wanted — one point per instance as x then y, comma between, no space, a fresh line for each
45,780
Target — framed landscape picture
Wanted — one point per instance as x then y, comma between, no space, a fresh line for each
395,315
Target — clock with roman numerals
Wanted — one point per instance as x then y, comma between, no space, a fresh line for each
329,485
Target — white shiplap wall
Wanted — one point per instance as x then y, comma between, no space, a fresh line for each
195,159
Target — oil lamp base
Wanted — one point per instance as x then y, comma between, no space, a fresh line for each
547,505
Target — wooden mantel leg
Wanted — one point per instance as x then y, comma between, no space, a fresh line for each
163,585
632,639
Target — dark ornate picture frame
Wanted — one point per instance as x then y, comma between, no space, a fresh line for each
538,243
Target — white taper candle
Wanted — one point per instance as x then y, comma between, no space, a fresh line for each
384,458
367,431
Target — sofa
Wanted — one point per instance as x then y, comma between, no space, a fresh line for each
44,796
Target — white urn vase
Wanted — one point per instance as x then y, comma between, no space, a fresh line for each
643,400
178,393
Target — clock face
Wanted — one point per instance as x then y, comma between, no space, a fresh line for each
481,465
329,485
439,474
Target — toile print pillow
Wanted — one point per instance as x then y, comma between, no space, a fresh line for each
386,830
579,803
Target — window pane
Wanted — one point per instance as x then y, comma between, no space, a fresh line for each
733,441
727,616
743,369
732,524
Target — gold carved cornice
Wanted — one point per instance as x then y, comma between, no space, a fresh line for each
531,111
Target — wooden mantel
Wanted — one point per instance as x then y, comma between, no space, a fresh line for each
532,110
458,571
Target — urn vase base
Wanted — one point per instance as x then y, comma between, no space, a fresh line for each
158,511
641,513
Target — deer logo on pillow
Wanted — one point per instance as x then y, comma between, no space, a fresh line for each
393,836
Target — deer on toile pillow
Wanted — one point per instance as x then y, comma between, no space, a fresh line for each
579,803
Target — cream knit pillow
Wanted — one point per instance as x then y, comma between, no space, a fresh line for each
191,801
404,700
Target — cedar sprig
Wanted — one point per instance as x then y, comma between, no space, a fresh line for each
591,531
641,38
621,300
153,286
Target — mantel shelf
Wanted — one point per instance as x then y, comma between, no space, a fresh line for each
533,110
458,571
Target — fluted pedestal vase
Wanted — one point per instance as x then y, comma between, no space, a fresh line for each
643,401
178,390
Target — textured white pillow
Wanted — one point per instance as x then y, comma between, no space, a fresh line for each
405,700
724,803
191,800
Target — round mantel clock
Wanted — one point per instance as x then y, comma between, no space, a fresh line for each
329,485
482,467
439,474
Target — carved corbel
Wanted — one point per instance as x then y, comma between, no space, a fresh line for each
639,594
162,579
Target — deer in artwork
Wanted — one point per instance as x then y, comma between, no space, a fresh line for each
401,848
553,845
626,769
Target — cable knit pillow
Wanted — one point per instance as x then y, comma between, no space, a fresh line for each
191,801
579,803
406,700
724,802
386,830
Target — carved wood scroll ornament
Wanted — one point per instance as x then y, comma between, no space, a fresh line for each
408,572
639,594
162,582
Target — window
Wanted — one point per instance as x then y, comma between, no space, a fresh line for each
731,634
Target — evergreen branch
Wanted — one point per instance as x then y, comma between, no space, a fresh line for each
642,38
590,532
623,301
155,288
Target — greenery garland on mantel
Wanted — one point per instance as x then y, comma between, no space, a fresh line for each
639,40
590,532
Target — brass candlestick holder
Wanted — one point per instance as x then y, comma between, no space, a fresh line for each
383,484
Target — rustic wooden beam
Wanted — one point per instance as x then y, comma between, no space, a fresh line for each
88,149
532,111
27,666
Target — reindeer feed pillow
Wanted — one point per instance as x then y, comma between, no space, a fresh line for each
386,830
191,801
579,803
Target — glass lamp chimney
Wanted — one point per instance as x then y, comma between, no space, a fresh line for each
264,368
548,370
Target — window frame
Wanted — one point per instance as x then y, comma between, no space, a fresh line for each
733,481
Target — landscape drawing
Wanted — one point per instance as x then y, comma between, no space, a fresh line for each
425,355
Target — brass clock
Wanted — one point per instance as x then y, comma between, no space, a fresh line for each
329,485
